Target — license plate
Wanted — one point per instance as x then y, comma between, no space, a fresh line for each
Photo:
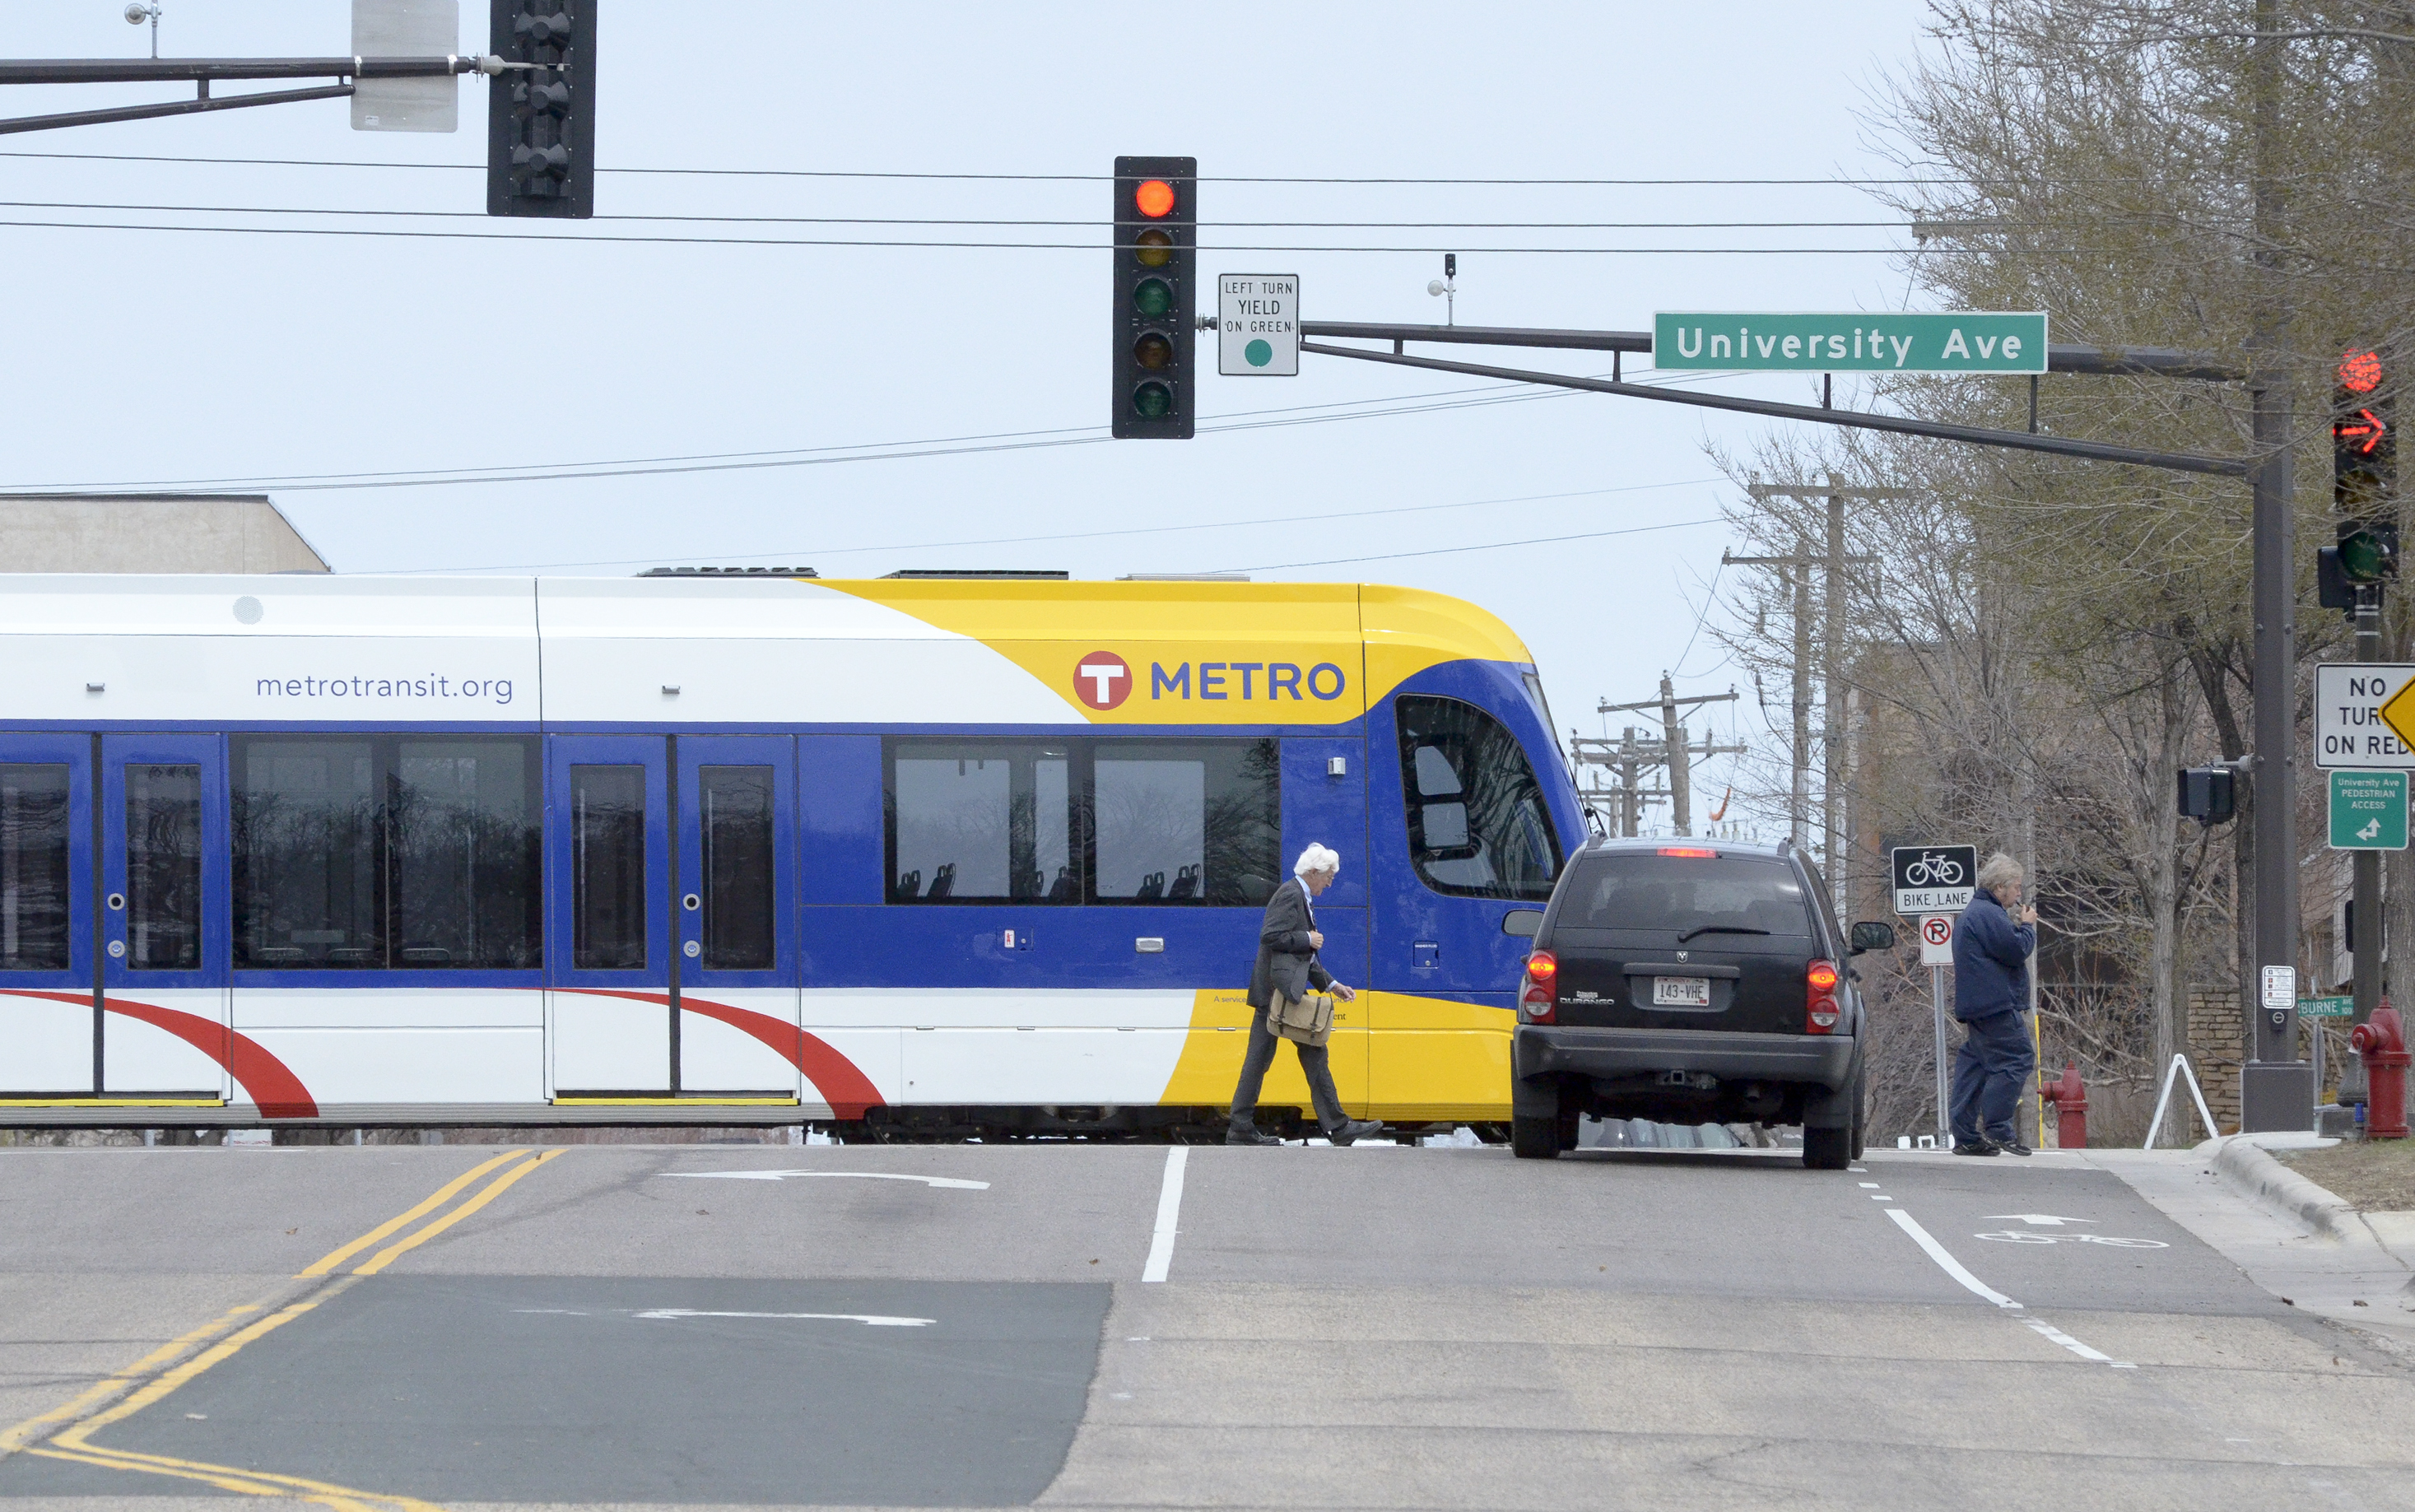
1681,992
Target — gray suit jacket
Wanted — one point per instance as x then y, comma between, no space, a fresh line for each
1286,962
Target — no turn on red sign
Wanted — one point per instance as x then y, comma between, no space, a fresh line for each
1937,940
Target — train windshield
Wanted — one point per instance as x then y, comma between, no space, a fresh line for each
1478,826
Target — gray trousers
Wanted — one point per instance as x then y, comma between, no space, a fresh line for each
1261,1055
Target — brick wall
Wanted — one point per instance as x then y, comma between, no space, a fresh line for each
2215,1034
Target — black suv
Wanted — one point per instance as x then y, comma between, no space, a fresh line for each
1691,981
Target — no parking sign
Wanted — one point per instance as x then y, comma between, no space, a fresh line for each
1937,940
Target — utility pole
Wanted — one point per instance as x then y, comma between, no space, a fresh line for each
1678,754
2275,1089
1832,561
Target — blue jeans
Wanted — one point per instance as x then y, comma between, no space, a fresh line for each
1990,1071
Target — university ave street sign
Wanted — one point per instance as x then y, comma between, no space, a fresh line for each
1778,342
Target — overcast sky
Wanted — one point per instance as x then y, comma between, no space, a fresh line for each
180,357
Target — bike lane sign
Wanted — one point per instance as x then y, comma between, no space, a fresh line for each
1934,880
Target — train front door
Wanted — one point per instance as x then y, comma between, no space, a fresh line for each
164,941
608,880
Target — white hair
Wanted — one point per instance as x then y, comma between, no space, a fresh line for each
1316,859
2000,870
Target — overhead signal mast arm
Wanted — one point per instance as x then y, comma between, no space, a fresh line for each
200,72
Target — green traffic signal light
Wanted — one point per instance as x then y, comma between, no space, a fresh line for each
1153,298
2366,556
1152,401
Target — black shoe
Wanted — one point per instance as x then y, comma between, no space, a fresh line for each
1977,1146
1354,1130
2012,1146
1240,1134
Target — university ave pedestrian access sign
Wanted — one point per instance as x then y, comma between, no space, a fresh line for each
1968,341
1934,880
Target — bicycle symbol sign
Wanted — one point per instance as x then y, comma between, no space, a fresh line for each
1934,880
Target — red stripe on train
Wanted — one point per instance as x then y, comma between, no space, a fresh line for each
847,1090
268,1080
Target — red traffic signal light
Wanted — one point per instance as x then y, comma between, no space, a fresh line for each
2359,372
1154,198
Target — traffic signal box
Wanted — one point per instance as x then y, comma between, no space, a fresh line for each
541,121
2364,444
1157,226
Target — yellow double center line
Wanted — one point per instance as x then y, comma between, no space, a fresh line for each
64,1432
328,1263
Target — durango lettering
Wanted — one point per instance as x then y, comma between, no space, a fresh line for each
1257,682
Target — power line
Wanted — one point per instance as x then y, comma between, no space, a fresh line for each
1488,545
1092,223
984,247
1830,181
1089,536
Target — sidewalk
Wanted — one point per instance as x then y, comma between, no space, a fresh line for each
2292,1238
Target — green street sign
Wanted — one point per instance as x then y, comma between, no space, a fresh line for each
1777,342
2326,1008
2369,810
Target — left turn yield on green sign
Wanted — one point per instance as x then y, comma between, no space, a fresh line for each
2369,810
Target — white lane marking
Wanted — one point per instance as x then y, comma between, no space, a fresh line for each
2050,1331
1947,1263
1872,1185
871,1319
954,1182
1880,1197
2037,1221
1169,1209
566,1312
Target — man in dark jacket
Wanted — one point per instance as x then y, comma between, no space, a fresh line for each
1992,987
1288,940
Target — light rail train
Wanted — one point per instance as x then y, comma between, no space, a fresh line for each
911,857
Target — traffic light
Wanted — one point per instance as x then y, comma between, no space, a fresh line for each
2363,450
541,121
1157,223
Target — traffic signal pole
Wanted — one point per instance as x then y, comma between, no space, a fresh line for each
201,72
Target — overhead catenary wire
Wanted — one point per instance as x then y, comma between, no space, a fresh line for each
1481,545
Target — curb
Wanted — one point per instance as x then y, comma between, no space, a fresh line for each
2252,1172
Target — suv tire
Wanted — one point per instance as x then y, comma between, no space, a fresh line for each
1861,1107
1535,1139
1828,1149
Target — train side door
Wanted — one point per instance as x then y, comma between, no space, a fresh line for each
608,879
48,1011
165,884
735,922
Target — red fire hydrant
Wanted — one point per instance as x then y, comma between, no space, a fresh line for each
2070,1099
2383,1042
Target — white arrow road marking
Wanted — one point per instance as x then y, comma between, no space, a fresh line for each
954,1182
872,1319
2037,1221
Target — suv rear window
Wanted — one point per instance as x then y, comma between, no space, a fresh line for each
1677,893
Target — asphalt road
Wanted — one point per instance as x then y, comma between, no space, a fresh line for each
971,1325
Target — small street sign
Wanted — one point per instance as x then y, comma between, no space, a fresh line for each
1966,341
2326,1008
1257,324
2369,810
1937,940
1934,880
2350,728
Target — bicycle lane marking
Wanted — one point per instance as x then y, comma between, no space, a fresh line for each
1962,1277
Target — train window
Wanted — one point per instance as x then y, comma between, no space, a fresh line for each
984,821
163,868
607,868
736,807
33,866
465,838
385,852
1186,821
1478,826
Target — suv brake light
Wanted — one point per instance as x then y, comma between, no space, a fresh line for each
1821,1009
1687,850
1539,1000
